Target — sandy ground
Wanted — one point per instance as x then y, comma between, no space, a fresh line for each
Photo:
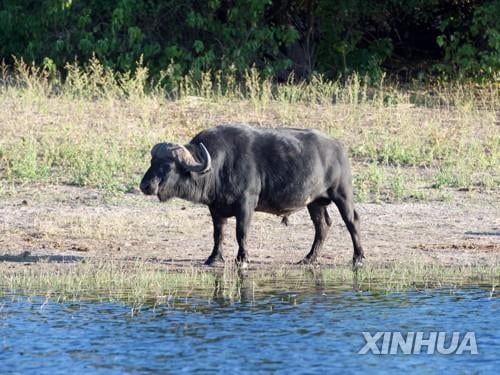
66,224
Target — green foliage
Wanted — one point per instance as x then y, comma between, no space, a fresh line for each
236,35
334,38
27,163
194,35
471,41
344,48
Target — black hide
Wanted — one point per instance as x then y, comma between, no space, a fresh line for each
278,171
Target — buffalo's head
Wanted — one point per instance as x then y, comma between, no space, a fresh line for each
171,163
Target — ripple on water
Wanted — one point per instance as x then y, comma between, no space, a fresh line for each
306,331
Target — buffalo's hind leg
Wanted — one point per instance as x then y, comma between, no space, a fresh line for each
219,223
321,221
343,199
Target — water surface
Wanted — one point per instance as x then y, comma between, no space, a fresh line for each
306,331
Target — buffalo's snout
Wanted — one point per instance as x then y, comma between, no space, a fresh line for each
148,189
149,186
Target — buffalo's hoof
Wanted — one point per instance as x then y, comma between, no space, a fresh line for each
307,261
242,264
213,260
357,264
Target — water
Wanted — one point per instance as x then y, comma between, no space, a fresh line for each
310,331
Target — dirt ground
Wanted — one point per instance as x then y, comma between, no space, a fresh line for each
66,224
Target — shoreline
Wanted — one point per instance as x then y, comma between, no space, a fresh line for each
58,223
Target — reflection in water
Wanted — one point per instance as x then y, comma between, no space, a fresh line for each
309,326
244,287
242,284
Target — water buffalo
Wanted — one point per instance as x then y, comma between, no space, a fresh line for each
237,169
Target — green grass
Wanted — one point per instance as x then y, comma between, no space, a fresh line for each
96,128
140,282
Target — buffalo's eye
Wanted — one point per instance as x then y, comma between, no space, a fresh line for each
161,167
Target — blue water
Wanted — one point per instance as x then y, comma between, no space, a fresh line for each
306,332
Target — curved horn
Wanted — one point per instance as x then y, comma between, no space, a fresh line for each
189,163
207,158
183,156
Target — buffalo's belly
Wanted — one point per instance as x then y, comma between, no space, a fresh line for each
275,210
285,205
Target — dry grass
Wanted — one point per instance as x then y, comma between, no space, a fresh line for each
96,129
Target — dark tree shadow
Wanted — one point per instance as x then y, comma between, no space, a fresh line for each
40,258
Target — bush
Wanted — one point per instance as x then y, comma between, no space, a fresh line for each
451,38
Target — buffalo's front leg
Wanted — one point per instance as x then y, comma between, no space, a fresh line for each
243,219
219,223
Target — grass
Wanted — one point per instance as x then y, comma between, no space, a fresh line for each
140,282
96,128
